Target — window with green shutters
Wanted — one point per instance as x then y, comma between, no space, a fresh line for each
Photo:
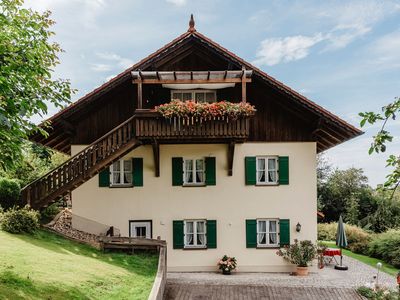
193,171
194,234
266,170
263,233
123,173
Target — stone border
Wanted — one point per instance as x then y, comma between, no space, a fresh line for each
158,289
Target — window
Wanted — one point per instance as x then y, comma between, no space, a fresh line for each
196,95
195,234
140,229
193,172
121,173
267,170
267,233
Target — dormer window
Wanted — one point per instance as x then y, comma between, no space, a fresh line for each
196,95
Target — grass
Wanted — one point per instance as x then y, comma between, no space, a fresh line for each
46,266
387,268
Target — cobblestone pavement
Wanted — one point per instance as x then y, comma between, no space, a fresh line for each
245,292
327,283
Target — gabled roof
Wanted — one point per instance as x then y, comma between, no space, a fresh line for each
324,115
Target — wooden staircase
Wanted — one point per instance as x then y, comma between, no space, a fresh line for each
82,166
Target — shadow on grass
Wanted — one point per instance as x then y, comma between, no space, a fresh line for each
13,286
140,264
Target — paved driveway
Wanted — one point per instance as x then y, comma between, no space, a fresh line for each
184,291
323,284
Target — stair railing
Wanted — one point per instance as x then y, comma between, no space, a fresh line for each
83,165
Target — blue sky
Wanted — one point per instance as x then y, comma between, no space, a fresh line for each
344,55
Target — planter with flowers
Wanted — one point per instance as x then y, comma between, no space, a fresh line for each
227,264
197,112
300,254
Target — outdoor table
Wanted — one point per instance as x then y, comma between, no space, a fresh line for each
330,253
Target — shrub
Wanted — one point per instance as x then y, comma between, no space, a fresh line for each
9,193
49,213
19,220
300,253
380,293
357,238
327,231
386,246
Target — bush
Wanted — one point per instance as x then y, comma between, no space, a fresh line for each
386,246
19,220
9,193
380,293
48,214
327,231
357,238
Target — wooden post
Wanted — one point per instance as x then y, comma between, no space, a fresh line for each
243,85
139,92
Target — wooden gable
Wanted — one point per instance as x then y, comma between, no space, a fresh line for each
282,114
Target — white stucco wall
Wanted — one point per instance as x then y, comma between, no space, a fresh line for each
230,202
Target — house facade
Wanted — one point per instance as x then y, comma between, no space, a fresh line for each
242,186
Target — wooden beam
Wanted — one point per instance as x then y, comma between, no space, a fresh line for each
243,79
189,81
139,94
156,155
231,154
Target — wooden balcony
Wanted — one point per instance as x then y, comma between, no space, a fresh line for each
151,125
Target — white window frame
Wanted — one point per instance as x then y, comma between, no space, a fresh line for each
194,171
146,224
266,170
195,233
194,92
267,232
121,172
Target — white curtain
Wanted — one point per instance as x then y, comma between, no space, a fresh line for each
189,171
189,233
200,233
262,228
261,170
199,170
272,232
116,172
272,170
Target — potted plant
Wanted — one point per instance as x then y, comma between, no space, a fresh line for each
227,264
300,254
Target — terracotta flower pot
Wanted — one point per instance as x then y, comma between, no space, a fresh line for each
302,271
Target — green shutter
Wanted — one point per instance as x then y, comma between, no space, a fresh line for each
283,170
250,169
211,234
104,177
177,228
210,171
251,233
284,232
177,171
137,171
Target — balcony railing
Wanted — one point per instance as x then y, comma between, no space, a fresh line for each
152,125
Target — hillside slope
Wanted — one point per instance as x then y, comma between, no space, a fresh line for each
46,266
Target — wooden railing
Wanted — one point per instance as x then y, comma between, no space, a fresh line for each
150,124
82,166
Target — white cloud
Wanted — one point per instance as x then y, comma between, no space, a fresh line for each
120,61
276,50
177,2
349,21
100,67
385,51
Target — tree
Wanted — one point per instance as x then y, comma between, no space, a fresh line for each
380,140
343,192
27,86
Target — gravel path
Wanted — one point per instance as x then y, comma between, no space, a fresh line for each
358,274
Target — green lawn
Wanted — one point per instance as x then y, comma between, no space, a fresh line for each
366,259
46,266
